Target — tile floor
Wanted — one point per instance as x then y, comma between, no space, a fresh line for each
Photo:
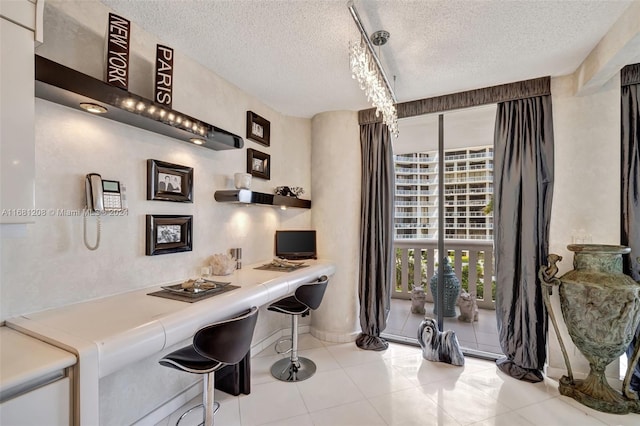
395,387
481,335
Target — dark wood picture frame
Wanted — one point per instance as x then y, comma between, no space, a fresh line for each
258,129
169,182
258,164
168,234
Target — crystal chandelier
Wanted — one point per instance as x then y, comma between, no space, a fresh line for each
366,68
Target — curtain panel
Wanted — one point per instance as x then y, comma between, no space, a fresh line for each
630,166
523,164
376,234
630,178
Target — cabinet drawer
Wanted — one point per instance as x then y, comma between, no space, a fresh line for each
47,405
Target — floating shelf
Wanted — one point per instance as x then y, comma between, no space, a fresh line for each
65,86
244,196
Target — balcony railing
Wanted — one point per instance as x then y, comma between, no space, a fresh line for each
475,155
404,181
466,214
415,171
478,271
415,236
466,203
412,159
412,225
465,179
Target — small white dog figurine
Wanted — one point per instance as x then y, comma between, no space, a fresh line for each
468,307
439,346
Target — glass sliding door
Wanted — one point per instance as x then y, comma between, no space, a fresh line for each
445,191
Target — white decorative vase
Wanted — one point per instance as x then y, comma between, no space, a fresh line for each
242,180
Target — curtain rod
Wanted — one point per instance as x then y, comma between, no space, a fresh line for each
365,36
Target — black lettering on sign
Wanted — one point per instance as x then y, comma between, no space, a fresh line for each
118,34
163,93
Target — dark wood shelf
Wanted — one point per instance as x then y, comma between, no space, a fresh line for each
244,196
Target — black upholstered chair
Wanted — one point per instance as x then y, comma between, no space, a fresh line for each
214,346
305,298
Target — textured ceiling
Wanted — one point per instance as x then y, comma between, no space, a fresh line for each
292,54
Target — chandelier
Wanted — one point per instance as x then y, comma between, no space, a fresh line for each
367,70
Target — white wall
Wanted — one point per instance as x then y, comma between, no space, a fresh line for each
586,194
49,266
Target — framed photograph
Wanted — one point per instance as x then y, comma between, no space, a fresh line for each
258,164
169,182
258,129
168,234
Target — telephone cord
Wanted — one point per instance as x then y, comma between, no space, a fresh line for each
97,244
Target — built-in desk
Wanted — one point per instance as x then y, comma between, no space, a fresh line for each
109,333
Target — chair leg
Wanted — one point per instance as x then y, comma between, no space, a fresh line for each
294,339
210,406
294,368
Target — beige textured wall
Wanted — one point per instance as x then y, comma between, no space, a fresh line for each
50,267
587,185
336,168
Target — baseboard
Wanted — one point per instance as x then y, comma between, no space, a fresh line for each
555,373
170,406
334,337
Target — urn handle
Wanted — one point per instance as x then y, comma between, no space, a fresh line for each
547,275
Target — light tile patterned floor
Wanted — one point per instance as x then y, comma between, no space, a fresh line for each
481,335
395,387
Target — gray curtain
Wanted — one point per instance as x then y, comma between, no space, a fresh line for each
630,177
523,164
630,169
376,234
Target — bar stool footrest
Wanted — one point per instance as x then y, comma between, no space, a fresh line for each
216,406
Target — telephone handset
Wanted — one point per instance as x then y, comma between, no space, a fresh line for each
102,196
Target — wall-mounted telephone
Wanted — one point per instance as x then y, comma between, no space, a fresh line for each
102,196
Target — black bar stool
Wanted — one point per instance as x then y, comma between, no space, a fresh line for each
305,298
214,346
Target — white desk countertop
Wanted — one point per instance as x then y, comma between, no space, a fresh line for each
112,332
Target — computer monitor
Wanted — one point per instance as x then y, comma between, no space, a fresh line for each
296,244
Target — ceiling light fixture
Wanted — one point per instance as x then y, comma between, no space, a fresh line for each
366,68
93,108
197,141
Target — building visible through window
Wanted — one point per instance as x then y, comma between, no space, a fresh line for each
468,190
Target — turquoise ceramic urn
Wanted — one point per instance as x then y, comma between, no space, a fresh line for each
451,290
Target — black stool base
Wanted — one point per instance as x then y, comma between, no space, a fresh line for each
288,371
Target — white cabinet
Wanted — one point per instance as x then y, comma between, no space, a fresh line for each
17,106
47,405
35,381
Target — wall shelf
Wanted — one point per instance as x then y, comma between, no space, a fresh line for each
60,84
244,196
